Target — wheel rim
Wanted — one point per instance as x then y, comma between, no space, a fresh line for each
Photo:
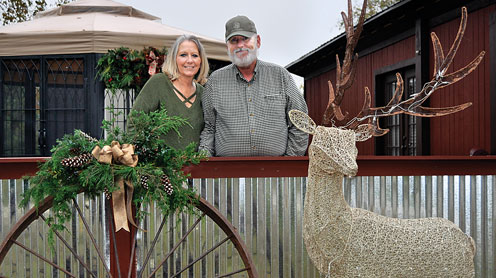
228,239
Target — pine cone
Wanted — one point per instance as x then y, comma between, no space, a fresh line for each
76,161
75,151
87,137
143,153
138,149
107,193
144,182
167,184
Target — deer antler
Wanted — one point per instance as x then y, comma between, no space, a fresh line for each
344,75
412,106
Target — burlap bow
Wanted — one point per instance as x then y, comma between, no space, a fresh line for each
120,155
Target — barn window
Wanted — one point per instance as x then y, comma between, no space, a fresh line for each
402,136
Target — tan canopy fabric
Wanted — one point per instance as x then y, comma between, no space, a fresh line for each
94,26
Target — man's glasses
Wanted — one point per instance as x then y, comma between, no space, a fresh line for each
237,39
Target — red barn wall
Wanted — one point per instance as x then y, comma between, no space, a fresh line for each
456,134
316,88
450,135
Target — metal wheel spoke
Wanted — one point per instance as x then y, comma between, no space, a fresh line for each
42,258
202,256
86,226
174,248
150,251
70,248
178,268
232,273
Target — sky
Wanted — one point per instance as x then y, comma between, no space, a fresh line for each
288,29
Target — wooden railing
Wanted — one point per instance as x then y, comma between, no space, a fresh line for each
222,167
403,187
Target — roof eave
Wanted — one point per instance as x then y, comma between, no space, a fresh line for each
341,38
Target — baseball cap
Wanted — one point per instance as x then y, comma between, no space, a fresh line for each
240,26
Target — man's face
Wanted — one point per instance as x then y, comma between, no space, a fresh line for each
243,51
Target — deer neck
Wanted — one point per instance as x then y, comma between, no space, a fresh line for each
327,217
328,190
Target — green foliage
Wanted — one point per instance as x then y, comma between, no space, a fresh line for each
124,68
373,7
147,131
14,11
155,159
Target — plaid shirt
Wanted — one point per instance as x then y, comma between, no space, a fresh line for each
251,118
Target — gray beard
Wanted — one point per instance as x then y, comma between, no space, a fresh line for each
245,61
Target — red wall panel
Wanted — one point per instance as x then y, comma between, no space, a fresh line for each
317,92
454,134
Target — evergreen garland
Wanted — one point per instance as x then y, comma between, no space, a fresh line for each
125,68
71,170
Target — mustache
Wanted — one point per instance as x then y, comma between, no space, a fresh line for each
241,49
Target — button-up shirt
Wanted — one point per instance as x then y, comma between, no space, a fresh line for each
250,118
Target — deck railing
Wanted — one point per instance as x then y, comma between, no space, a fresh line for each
263,198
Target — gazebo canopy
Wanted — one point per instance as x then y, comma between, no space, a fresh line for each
94,26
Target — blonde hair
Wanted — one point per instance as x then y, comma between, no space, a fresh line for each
170,66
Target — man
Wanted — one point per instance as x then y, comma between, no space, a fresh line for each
246,104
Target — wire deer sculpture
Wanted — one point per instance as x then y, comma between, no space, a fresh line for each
351,242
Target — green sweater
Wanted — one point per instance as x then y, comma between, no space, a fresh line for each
158,91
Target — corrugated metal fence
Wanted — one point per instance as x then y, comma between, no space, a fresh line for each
268,213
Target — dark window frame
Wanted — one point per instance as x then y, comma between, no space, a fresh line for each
86,90
403,144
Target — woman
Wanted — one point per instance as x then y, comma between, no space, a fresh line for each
179,89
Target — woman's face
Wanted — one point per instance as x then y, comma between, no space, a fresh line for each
188,59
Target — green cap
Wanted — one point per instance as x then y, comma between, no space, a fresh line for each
240,26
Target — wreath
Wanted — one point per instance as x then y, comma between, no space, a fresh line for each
124,68
139,159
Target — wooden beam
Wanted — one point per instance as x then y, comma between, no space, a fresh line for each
17,167
492,73
235,167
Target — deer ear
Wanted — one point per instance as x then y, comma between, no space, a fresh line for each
302,121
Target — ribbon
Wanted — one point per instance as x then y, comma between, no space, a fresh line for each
153,62
117,154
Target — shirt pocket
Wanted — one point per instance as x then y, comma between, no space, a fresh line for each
275,104
229,107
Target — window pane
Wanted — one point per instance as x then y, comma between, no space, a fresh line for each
13,115
401,138
20,109
65,98
393,142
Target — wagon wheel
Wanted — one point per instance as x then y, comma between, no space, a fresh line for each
228,243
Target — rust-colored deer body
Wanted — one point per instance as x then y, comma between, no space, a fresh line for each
351,242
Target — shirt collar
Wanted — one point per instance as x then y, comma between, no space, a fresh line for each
238,73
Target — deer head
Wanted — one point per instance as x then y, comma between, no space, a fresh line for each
366,124
332,147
